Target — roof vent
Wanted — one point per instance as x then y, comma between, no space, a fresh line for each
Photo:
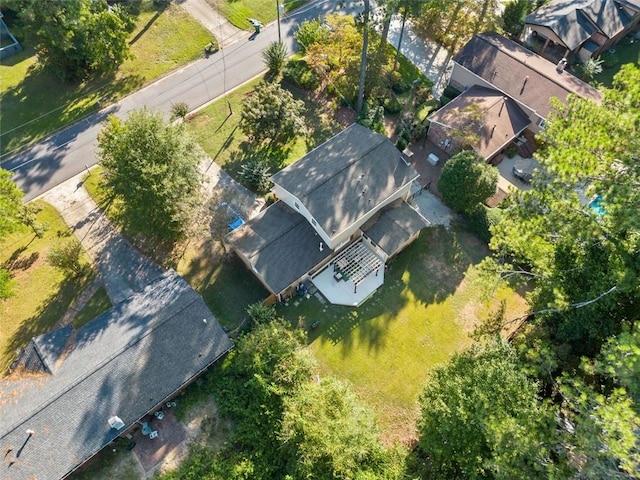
364,190
321,246
116,422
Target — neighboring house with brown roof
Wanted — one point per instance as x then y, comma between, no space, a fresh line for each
76,391
328,201
585,28
500,68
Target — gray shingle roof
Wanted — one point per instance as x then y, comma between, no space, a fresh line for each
396,224
328,179
574,21
280,245
125,363
505,64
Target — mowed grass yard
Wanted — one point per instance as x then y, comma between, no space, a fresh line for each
42,292
237,11
431,300
35,103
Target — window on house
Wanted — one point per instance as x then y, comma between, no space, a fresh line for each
542,123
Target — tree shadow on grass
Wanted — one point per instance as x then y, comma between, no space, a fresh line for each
274,156
31,111
47,314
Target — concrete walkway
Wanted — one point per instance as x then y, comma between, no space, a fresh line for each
212,20
431,58
123,269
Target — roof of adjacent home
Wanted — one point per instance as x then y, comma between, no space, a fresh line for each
280,245
498,118
575,21
346,177
395,225
506,65
124,363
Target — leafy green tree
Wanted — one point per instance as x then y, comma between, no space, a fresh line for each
513,16
10,204
597,433
274,57
261,313
152,167
467,180
271,114
453,22
328,434
619,361
66,257
76,38
311,32
481,418
583,257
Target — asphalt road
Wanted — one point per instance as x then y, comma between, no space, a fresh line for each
66,153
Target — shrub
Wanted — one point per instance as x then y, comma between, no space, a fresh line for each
422,94
260,313
256,174
310,32
400,86
467,180
451,92
403,138
511,150
373,118
482,218
274,57
66,257
391,104
609,60
179,110
299,73
444,100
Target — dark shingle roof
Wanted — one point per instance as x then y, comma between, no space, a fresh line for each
505,65
280,245
574,21
397,223
328,179
124,363
501,118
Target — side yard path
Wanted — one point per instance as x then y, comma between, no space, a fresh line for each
225,32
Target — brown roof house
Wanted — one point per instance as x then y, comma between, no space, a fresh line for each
75,391
585,28
341,213
505,92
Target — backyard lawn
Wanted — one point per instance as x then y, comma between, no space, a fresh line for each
431,299
42,292
35,104
625,52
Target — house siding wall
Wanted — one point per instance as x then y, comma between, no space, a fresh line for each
291,200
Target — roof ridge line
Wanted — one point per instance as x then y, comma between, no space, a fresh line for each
100,366
506,52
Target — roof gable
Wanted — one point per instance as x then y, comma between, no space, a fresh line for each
501,119
346,177
123,363
505,65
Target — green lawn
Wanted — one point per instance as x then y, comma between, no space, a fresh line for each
35,104
430,301
220,136
42,292
97,305
625,53
237,11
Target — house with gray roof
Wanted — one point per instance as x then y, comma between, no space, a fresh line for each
585,28
327,202
509,87
75,391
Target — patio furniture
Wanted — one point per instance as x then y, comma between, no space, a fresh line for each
153,434
159,415
146,429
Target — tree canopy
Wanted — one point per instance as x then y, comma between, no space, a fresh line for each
10,204
76,38
152,167
453,22
271,114
577,231
481,418
467,180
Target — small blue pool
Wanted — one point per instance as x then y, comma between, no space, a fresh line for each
596,205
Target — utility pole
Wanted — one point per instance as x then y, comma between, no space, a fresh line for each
278,12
